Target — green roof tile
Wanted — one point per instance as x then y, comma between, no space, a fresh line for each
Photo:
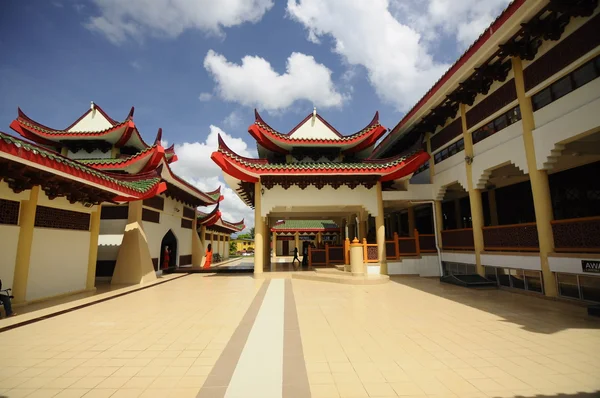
306,224
141,185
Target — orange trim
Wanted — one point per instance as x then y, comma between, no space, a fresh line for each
459,229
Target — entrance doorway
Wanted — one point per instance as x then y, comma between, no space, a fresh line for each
168,251
286,248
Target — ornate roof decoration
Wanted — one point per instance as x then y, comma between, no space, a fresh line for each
93,125
214,221
248,169
277,142
23,165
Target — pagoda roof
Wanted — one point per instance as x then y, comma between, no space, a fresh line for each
145,160
250,170
214,221
314,131
94,124
181,190
305,226
24,165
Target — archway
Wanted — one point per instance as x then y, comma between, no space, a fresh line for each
169,241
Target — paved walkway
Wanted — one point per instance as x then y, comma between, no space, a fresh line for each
235,336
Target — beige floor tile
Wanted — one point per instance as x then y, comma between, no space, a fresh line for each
168,382
20,392
103,393
191,382
139,382
113,382
324,391
87,382
127,393
44,393
183,393
380,390
407,388
72,393
351,390
320,378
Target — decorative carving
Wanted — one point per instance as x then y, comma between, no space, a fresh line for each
459,239
9,212
150,216
156,202
511,237
319,181
372,253
581,235
49,217
503,96
114,212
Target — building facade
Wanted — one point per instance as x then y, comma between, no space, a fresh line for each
130,237
513,131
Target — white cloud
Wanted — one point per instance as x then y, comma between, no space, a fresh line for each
195,166
392,38
119,20
205,97
255,83
234,119
135,65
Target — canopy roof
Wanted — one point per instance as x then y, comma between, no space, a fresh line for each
93,125
250,170
314,131
214,221
305,226
23,165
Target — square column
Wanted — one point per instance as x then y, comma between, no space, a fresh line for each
540,187
474,195
411,221
90,282
26,225
259,231
274,243
380,229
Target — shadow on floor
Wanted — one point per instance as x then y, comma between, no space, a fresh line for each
513,307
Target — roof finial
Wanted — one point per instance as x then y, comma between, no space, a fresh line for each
314,112
92,105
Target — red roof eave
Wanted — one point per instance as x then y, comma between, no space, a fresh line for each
128,194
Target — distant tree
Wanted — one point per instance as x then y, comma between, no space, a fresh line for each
232,247
251,233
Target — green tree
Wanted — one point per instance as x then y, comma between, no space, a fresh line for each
232,247
251,233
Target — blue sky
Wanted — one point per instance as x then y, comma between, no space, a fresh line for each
181,64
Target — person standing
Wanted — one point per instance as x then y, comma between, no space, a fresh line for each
166,258
208,261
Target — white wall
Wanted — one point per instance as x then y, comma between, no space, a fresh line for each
456,257
7,193
413,192
8,247
112,227
425,266
59,260
571,265
169,219
512,261
565,120
93,121
456,173
314,128
313,197
506,146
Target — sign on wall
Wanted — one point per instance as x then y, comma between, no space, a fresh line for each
590,266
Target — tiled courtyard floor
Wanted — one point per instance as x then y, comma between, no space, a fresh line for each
236,336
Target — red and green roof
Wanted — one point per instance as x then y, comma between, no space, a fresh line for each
275,141
305,226
141,186
214,221
145,160
119,134
250,170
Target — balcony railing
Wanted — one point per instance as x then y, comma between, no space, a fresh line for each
514,237
577,235
458,239
330,255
